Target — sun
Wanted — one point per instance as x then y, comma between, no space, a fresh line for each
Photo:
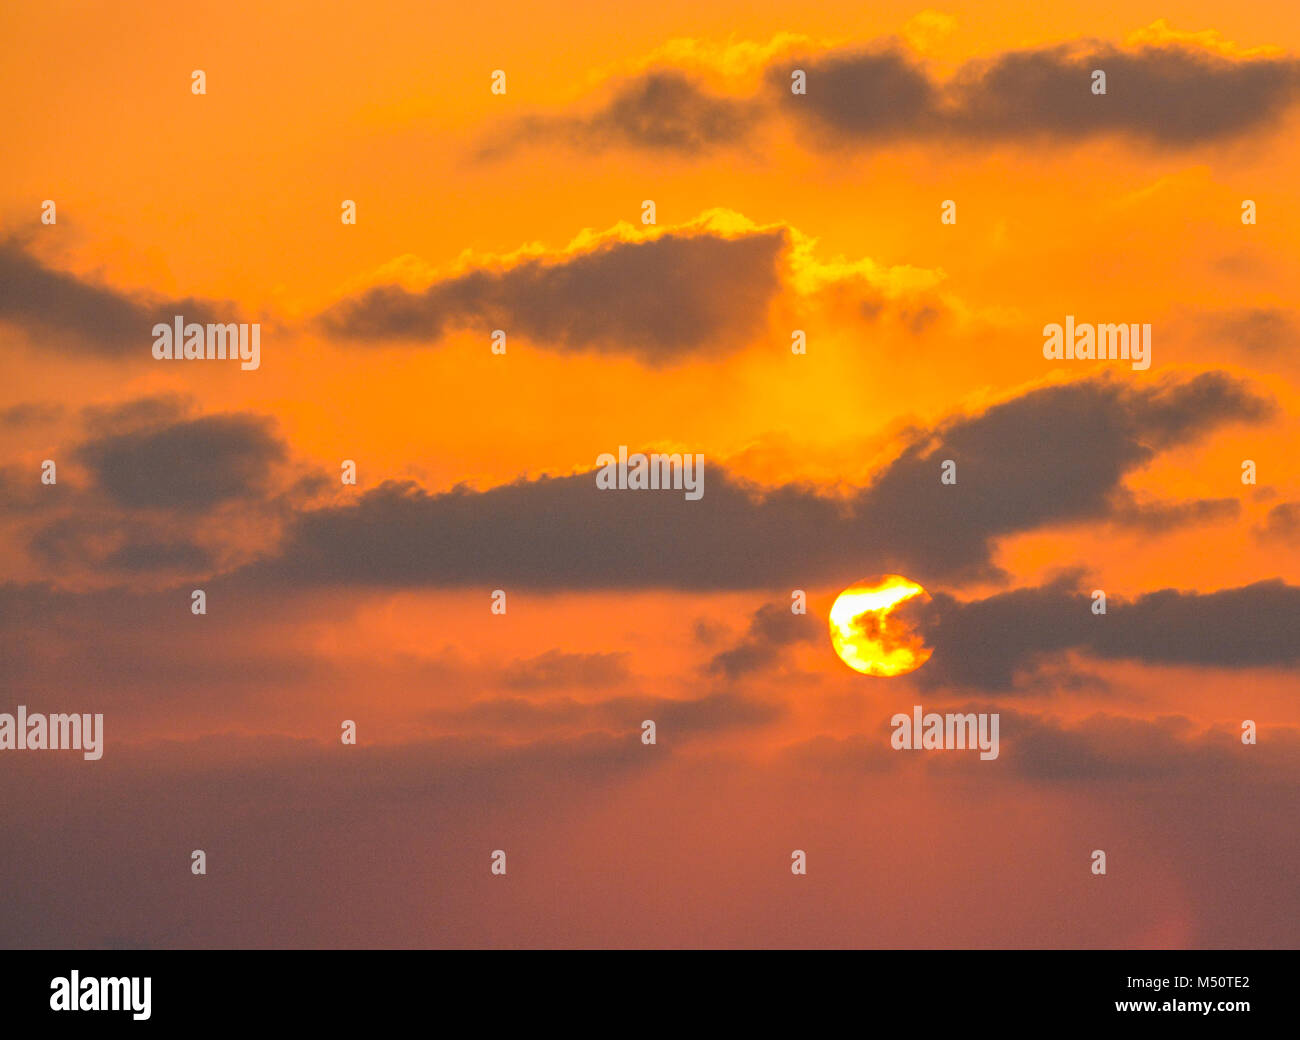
867,633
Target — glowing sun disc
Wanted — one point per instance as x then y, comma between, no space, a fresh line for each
869,635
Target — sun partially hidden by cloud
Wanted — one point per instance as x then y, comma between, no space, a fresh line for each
869,635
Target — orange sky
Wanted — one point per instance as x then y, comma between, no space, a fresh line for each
522,731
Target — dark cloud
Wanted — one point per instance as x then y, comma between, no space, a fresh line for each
1101,748
878,94
74,537
663,109
1155,517
771,628
31,413
996,643
95,319
137,650
674,718
1261,330
119,544
1170,95
1167,95
189,465
556,668
1282,522
21,491
1054,455
137,413
1118,748
660,299
159,484
712,714
147,556
919,314
148,654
